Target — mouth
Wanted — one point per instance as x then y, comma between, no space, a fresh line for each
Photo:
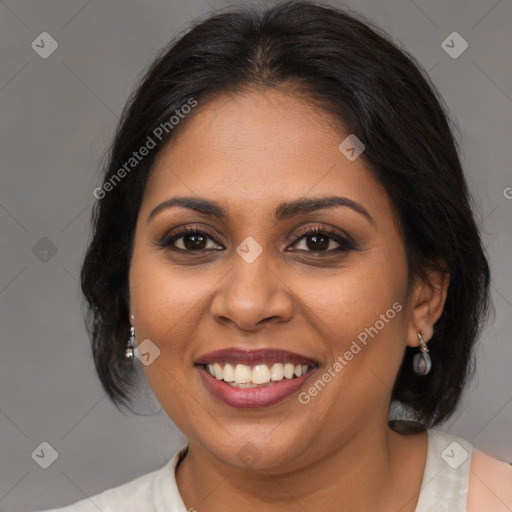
254,378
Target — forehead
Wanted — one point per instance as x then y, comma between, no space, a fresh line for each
259,148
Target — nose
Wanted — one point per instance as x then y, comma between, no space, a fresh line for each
252,296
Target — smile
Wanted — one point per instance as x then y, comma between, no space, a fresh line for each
257,378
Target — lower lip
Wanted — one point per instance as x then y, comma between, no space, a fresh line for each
252,397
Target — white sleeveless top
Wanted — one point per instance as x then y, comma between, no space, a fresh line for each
444,487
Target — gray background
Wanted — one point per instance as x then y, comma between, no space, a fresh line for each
57,116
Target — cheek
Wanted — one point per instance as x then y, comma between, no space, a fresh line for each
348,301
164,302
161,293
360,313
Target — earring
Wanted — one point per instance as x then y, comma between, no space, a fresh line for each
421,362
129,352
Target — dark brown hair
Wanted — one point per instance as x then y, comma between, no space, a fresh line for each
346,66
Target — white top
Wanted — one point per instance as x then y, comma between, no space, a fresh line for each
444,486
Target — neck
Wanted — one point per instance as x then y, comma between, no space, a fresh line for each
366,473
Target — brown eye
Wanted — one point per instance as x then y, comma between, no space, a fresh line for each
194,242
189,240
322,240
317,242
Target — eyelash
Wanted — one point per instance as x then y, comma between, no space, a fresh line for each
345,242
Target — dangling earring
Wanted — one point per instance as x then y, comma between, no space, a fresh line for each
421,362
129,352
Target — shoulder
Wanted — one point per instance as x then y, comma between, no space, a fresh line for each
152,491
490,484
458,476
134,495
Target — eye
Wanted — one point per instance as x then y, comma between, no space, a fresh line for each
321,240
315,240
189,239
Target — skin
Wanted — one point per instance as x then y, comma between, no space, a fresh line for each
250,152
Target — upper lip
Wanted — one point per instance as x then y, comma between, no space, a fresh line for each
253,357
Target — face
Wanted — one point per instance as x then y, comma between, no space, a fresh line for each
274,278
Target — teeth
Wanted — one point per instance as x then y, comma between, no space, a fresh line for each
260,374
277,372
243,376
289,370
229,373
218,371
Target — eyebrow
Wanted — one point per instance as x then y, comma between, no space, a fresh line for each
306,205
282,212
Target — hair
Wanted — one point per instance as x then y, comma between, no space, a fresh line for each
341,63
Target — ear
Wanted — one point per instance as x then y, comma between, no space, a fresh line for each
426,305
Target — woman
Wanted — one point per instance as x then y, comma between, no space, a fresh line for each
284,236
